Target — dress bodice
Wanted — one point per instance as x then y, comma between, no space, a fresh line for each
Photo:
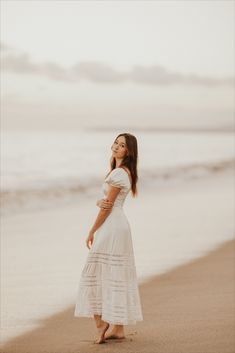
118,178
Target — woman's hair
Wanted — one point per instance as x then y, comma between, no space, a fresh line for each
130,160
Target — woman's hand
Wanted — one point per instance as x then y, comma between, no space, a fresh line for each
90,240
104,204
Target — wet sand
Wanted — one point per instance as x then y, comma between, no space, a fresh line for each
188,309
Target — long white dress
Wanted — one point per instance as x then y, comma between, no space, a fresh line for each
108,284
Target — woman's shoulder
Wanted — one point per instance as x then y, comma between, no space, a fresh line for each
118,171
119,174
126,171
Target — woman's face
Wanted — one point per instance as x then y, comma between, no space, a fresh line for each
119,147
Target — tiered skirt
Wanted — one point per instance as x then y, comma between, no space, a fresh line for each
108,284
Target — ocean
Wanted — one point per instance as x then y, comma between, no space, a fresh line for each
50,182
44,168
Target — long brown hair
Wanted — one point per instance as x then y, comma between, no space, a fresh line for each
130,161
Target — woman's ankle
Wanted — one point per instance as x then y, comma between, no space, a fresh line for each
98,320
101,323
118,330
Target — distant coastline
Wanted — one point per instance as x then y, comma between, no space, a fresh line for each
107,128
225,129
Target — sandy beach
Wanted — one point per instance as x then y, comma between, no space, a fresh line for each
88,86
189,309
187,295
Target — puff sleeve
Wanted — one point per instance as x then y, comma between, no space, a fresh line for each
117,178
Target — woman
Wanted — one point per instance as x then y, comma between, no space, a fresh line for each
108,289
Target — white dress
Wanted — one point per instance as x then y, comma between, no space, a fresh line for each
108,284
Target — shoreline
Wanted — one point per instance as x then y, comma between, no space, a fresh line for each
43,251
189,309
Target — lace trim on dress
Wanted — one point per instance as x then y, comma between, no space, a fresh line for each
110,259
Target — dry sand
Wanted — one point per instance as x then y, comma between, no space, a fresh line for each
188,309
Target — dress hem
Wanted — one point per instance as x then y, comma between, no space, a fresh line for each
112,322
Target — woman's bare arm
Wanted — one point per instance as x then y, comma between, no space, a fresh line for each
104,203
103,214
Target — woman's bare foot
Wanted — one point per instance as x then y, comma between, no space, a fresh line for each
113,336
116,333
102,328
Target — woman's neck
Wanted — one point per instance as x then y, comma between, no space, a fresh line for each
118,162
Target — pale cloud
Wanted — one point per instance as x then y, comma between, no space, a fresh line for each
99,72
22,64
159,75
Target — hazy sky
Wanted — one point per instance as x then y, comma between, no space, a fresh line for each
79,63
